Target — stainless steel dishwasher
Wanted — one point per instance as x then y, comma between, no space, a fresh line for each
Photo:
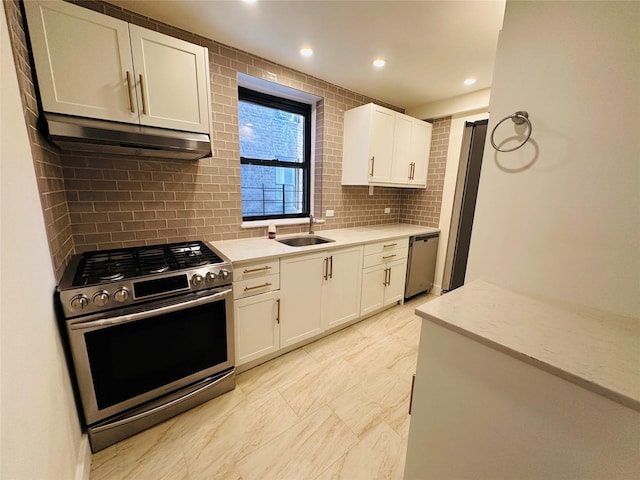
421,264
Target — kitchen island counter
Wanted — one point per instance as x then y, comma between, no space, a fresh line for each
512,386
597,350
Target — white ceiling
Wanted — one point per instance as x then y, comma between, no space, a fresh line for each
430,46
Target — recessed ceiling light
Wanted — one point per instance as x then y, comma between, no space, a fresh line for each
379,62
470,81
306,52
249,1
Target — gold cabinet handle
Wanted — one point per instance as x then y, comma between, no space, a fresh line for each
278,311
130,89
264,285
386,276
373,163
389,245
254,270
144,95
388,257
413,171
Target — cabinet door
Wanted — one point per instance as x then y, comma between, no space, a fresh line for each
171,76
381,144
373,279
420,150
341,288
82,59
300,293
402,168
394,290
256,323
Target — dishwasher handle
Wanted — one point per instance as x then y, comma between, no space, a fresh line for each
424,237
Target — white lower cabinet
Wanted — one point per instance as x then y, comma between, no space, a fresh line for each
256,322
341,287
383,275
319,291
279,304
256,310
301,287
382,285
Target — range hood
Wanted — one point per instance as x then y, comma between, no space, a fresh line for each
80,134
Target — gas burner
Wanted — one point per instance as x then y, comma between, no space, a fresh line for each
110,277
159,269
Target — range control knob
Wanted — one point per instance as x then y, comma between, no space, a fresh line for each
121,295
211,277
223,274
79,302
197,280
101,298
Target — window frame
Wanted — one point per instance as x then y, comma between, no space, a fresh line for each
285,104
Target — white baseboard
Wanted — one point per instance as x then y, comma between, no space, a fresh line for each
83,469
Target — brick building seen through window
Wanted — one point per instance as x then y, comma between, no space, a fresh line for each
275,158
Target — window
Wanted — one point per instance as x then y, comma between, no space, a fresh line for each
275,156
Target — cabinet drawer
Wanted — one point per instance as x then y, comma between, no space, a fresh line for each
379,247
255,286
384,257
256,270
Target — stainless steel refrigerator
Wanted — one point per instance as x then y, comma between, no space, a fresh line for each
464,204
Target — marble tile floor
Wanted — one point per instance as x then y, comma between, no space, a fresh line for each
334,409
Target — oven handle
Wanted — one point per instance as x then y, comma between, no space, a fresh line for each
162,407
152,313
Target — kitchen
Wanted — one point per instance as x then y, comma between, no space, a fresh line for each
617,274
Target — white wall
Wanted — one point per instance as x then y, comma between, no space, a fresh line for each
40,433
561,216
478,100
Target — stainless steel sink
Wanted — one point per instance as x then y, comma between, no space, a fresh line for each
305,240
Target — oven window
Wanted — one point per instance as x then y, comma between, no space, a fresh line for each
131,359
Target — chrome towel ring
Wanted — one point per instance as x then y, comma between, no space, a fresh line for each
518,118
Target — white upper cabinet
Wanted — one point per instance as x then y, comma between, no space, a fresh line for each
368,145
402,161
82,61
420,148
92,65
384,147
171,76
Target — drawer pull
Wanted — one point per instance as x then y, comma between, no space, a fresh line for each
388,257
254,270
264,285
389,245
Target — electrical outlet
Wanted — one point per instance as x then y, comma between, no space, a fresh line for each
387,210
329,213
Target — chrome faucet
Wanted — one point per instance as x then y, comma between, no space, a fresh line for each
311,224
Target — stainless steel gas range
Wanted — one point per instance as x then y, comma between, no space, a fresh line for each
150,331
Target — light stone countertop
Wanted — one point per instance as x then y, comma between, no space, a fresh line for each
257,249
597,350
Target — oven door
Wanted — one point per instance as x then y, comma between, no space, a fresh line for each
134,355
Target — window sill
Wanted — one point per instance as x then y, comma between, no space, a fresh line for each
278,222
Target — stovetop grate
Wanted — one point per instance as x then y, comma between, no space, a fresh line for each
113,265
